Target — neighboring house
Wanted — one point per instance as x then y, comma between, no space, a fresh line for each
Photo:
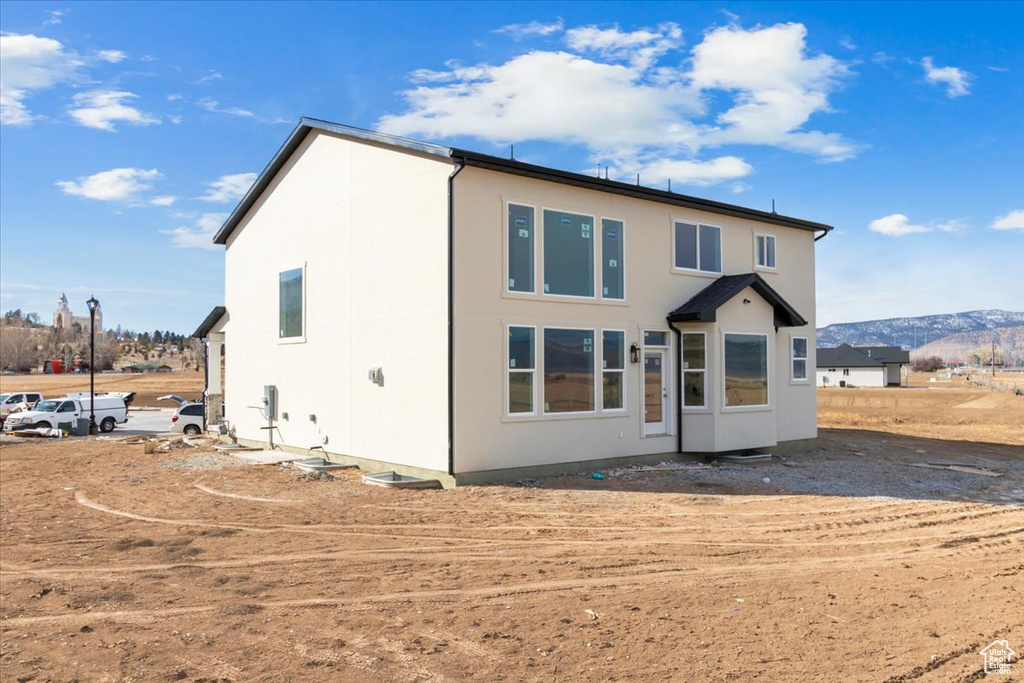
439,312
861,366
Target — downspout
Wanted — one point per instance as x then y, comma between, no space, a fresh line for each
679,385
206,381
461,164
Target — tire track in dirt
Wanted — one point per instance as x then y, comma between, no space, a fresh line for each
225,494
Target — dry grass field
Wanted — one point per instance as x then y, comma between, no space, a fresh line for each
845,565
147,386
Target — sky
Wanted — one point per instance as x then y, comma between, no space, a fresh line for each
129,131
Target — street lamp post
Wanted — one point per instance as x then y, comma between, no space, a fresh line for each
93,304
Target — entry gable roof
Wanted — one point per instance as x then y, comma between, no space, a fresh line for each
703,307
486,161
845,356
211,321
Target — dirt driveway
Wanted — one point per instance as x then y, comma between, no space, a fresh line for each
123,566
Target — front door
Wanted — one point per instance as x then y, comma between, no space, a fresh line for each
655,393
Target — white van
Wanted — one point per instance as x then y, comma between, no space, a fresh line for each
111,410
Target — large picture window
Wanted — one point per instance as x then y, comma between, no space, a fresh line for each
613,370
522,369
520,248
568,254
568,371
612,241
764,247
698,247
746,370
290,304
799,358
694,370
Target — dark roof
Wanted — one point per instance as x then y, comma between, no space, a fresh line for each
845,356
211,320
703,307
885,354
495,164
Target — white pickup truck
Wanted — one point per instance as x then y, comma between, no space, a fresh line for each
18,400
111,410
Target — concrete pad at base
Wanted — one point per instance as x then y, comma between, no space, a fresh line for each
264,457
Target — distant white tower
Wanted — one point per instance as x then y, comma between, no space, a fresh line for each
63,319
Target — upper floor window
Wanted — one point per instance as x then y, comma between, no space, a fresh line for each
571,246
764,248
568,254
698,247
611,259
520,248
290,304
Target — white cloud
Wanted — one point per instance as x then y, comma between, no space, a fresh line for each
163,200
117,184
112,56
534,28
898,225
29,63
776,88
957,81
229,188
175,97
213,105
998,69
631,98
847,43
200,234
209,77
700,173
101,108
56,17
1011,221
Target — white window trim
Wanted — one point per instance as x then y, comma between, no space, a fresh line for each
509,371
300,339
696,271
622,372
726,408
765,266
599,248
682,389
806,359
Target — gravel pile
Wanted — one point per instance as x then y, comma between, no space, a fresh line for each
202,461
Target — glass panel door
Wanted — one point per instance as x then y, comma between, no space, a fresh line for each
655,393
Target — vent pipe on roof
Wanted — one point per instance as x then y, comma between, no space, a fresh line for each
638,180
669,184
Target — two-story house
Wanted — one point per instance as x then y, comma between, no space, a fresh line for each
456,315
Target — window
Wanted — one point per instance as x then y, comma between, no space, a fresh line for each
698,247
568,254
613,370
846,372
764,247
66,407
521,369
520,248
694,370
655,338
194,410
746,370
568,371
611,259
799,359
290,304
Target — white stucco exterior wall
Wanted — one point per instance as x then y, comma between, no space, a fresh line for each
369,226
854,377
487,438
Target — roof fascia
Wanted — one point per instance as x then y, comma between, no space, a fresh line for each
639,192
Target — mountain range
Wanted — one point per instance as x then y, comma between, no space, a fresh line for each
973,328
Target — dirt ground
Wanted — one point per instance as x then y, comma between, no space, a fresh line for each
147,386
847,564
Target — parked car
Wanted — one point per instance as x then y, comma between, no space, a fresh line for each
14,402
188,419
174,397
110,410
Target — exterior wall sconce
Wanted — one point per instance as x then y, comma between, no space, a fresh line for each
634,353
746,301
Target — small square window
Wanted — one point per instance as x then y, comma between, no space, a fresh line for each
764,246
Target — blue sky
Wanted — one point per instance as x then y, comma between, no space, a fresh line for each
128,131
